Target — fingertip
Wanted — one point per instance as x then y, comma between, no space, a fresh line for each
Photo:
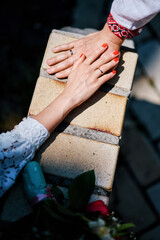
48,61
54,49
114,72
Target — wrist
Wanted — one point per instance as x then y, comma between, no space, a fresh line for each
111,37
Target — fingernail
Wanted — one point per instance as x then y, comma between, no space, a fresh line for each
81,55
116,59
104,45
116,52
114,71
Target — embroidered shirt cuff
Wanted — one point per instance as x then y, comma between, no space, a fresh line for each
32,130
121,31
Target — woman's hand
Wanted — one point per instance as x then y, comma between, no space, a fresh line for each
88,74
62,63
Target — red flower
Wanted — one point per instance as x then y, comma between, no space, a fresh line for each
98,206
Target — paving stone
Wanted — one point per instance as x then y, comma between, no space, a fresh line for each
68,156
104,112
153,234
149,55
125,70
148,114
154,195
128,201
138,152
144,90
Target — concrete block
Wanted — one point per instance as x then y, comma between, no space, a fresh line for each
143,89
140,155
103,112
125,70
154,195
153,234
68,156
128,201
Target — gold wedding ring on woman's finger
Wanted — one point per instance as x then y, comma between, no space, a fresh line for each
71,52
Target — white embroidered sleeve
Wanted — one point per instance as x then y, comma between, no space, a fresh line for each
17,147
133,14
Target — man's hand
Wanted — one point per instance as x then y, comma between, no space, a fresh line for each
62,63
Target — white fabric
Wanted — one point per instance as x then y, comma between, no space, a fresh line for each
17,147
133,14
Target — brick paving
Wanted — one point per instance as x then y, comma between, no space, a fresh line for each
136,189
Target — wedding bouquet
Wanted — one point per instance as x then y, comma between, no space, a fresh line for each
54,218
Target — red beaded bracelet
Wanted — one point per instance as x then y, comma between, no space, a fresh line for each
121,31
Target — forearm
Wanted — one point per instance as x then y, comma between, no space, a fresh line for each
55,112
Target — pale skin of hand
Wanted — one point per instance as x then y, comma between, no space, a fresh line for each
61,64
84,80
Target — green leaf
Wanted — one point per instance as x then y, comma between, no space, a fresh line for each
125,226
81,189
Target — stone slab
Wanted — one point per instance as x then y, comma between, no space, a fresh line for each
154,195
104,112
68,156
88,133
128,201
148,115
153,234
140,155
125,70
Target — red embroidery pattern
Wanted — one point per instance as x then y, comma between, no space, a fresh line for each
121,31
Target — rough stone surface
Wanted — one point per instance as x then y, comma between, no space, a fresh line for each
88,133
144,90
68,156
153,234
104,112
154,195
128,201
148,115
140,155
